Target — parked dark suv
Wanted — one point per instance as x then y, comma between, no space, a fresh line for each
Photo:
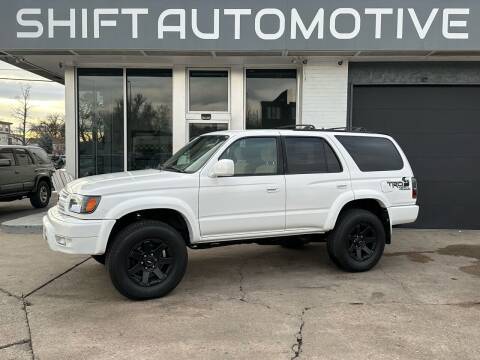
25,171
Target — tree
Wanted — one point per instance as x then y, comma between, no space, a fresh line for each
50,130
21,112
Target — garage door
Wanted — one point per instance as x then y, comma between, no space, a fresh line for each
439,129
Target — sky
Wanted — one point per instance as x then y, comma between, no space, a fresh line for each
46,97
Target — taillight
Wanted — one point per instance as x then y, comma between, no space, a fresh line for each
414,188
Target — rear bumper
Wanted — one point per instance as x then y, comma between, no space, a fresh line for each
403,214
75,236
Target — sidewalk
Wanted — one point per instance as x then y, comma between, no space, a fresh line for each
30,224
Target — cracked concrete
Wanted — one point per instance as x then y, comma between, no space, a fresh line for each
248,302
297,347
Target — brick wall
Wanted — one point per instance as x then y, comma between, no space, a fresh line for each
325,94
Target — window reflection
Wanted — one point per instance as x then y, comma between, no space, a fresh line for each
100,116
149,117
197,129
271,98
208,90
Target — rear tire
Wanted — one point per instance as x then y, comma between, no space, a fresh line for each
147,260
358,241
41,197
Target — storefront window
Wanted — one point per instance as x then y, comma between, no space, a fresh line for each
208,90
149,117
271,98
100,116
197,129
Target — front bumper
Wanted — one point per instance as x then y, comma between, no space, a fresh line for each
75,236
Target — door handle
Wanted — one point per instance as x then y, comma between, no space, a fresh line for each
17,172
342,186
273,189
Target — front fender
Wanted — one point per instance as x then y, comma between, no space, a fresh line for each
126,207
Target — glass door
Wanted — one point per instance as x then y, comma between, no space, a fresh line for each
208,104
149,117
100,121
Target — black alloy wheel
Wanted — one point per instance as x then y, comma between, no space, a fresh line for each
362,242
149,263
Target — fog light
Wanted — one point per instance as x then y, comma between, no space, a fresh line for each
62,241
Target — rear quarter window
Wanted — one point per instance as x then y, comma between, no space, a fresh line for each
372,153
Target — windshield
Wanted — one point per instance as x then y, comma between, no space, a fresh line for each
195,154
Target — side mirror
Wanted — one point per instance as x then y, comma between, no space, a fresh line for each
5,162
223,168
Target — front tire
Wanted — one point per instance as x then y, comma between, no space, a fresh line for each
358,241
147,260
41,197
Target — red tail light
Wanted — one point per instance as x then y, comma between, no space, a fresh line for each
414,188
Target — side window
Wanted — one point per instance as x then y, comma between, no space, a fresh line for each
372,153
23,157
7,154
310,155
40,156
254,156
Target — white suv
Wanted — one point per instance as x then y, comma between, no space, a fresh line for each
286,187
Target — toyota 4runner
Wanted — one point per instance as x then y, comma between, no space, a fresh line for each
285,187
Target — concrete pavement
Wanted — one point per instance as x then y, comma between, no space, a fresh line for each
249,302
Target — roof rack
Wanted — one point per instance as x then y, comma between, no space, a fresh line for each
304,127
308,127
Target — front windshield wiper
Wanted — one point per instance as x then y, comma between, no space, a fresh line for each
172,168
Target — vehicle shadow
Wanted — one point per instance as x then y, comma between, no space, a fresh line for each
19,208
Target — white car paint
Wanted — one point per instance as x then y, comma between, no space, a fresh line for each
229,208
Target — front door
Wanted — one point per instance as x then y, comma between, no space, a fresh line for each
9,180
253,200
25,169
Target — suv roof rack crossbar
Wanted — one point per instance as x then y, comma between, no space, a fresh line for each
308,127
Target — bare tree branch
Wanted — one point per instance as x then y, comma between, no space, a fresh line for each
21,111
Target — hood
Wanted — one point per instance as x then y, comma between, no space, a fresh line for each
129,181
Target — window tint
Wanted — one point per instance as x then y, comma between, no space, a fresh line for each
23,157
253,156
372,153
40,156
308,155
7,154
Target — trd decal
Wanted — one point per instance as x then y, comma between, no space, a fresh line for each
400,185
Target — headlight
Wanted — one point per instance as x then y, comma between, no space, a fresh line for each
81,204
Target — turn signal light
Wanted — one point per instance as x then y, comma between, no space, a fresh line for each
91,204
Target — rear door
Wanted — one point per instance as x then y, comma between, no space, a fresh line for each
9,181
25,169
315,178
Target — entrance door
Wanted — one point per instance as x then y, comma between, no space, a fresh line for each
208,101
251,201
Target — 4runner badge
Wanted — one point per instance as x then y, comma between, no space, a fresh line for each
400,185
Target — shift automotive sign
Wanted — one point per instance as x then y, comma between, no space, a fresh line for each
269,23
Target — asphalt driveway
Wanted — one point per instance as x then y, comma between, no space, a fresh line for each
249,302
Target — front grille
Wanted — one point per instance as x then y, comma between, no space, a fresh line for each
62,201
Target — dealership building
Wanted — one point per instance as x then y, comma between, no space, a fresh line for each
144,77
